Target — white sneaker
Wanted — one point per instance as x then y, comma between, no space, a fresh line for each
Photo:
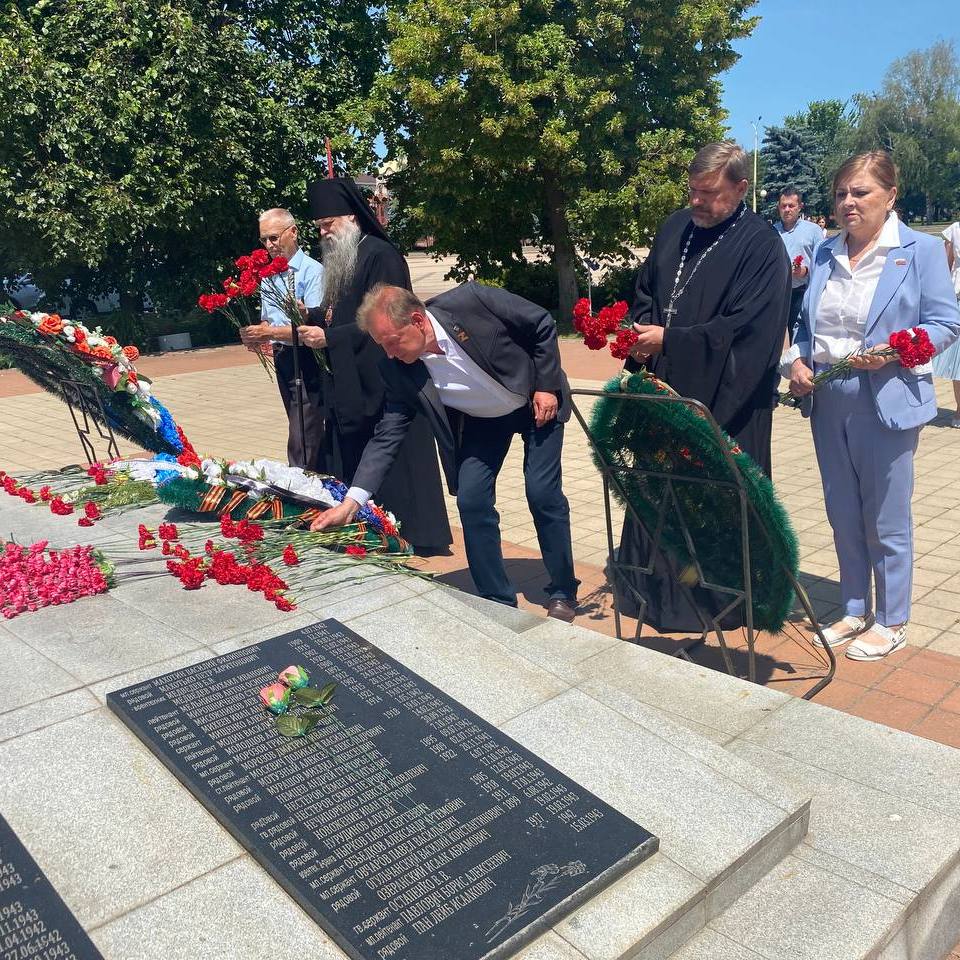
894,640
832,637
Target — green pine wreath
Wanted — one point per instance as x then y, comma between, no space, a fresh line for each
674,439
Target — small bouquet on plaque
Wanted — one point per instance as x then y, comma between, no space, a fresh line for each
912,347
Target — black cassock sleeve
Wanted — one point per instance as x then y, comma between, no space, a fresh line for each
729,361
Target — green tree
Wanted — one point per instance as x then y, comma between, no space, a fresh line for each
790,159
139,138
833,124
560,122
916,116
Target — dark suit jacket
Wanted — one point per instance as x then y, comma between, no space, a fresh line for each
509,338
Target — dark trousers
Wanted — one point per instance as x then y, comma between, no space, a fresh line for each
306,449
796,301
483,447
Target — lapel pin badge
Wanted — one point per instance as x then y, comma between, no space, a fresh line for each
900,262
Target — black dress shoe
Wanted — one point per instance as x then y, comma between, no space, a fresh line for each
561,609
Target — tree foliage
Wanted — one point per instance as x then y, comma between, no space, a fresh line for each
562,122
790,158
139,138
916,117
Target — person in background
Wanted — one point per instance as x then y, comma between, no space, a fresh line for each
278,234
875,278
947,364
800,237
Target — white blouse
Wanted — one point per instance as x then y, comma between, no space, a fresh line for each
841,320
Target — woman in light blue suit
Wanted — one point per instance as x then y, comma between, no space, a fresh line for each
876,277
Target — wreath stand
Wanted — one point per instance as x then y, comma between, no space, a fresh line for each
86,409
668,510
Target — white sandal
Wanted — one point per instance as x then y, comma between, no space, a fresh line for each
832,638
895,639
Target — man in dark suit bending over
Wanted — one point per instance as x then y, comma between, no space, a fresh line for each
482,365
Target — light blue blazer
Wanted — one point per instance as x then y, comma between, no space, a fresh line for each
914,290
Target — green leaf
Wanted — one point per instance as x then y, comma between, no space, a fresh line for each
312,697
308,696
294,726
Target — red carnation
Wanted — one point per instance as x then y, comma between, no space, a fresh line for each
356,551
59,507
248,283
260,257
626,340
91,510
290,557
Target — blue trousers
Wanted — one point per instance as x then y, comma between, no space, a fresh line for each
483,447
867,472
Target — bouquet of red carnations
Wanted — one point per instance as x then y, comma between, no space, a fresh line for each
597,328
912,347
236,301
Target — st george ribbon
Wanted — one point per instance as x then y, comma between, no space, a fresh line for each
408,827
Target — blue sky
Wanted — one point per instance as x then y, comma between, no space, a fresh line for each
825,49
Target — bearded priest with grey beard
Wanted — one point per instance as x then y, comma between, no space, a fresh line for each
357,255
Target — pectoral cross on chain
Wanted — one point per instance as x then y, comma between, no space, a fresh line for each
669,313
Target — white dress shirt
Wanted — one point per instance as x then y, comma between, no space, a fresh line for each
462,385
846,298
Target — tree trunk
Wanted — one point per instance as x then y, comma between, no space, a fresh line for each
564,253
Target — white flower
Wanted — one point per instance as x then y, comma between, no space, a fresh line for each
37,318
213,472
67,331
131,387
192,473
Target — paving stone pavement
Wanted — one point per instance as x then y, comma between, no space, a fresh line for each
229,407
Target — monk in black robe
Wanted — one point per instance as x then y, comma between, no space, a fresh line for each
356,256
711,306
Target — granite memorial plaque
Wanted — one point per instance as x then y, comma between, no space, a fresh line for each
404,824
35,924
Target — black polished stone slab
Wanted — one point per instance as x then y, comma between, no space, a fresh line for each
35,924
405,825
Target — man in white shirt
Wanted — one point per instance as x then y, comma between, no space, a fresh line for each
481,365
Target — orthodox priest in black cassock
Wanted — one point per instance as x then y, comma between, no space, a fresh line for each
356,256
721,346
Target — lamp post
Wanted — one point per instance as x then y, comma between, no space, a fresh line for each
756,147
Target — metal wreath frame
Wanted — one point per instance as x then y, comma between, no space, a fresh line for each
85,406
611,474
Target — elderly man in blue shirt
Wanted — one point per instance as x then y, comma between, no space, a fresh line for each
800,237
278,234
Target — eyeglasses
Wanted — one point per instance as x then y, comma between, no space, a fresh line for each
325,224
274,237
